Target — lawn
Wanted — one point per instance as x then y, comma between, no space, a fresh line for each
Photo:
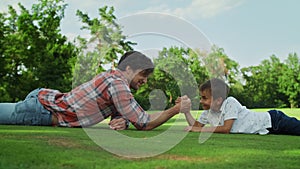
32,147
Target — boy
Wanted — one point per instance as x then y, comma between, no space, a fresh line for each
227,115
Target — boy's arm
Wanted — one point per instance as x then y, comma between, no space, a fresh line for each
191,120
218,129
188,116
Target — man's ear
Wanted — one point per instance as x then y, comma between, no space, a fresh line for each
129,70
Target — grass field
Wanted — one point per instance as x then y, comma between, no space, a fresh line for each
23,147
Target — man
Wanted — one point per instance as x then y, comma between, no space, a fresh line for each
107,94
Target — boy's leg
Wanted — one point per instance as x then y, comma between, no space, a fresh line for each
283,124
6,111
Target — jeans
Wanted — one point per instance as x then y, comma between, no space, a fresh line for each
27,112
283,124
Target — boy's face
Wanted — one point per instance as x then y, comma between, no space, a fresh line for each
208,102
205,99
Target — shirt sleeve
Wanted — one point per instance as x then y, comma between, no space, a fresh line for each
230,108
126,105
204,117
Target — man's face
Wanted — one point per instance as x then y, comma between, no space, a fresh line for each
138,80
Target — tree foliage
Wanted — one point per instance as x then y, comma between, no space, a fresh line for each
262,84
179,71
289,82
105,44
33,51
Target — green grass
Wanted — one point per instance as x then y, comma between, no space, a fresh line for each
23,147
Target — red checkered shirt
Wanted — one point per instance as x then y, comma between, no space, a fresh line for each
108,94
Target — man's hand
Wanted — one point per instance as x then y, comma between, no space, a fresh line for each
118,124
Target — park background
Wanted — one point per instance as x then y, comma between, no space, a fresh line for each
35,53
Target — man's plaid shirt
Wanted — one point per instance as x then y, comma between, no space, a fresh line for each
108,94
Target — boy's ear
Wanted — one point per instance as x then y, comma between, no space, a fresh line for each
220,100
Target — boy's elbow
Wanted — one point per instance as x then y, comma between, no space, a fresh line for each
226,130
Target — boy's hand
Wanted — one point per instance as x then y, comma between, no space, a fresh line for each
193,129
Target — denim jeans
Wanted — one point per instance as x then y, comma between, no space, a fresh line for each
283,124
27,112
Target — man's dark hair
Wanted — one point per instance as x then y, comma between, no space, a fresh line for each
136,60
217,87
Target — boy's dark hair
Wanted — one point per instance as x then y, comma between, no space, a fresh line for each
217,87
136,60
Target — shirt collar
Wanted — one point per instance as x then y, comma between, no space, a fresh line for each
118,73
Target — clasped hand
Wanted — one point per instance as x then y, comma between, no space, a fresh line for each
185,104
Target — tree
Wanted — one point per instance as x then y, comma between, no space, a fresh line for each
177,72
105,45
262,84
33,50
289,81
58,56
163,77
173,74
195,60
3,63
219,65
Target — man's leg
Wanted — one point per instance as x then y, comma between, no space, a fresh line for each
31,112
6,111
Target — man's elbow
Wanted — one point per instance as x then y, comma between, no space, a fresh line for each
147,128
144,127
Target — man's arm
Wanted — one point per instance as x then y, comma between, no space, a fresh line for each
156,119
159,118
219,129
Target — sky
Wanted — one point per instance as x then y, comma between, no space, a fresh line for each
249,31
